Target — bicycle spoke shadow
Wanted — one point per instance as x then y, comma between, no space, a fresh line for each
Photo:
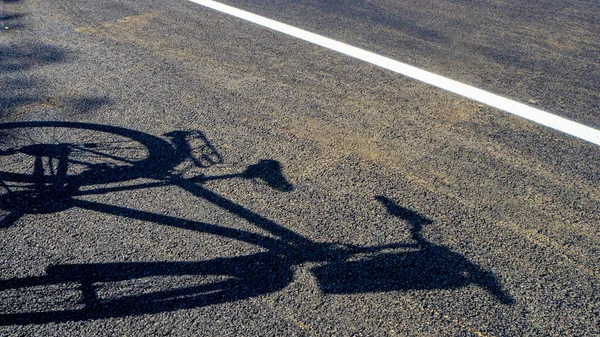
122,289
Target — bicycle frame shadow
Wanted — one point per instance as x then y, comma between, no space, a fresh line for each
421,266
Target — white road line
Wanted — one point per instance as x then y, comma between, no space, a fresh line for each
536,115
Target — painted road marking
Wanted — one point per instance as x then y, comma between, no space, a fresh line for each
536,115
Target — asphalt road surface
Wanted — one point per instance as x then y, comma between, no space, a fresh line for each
166,169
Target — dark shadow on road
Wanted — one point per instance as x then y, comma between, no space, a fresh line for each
18,89
10,22
17,56
9,17
424,267
71,160
20,58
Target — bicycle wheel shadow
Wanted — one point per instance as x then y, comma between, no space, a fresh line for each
109,290
426,266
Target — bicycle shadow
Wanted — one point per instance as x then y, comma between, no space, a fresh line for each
121,289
